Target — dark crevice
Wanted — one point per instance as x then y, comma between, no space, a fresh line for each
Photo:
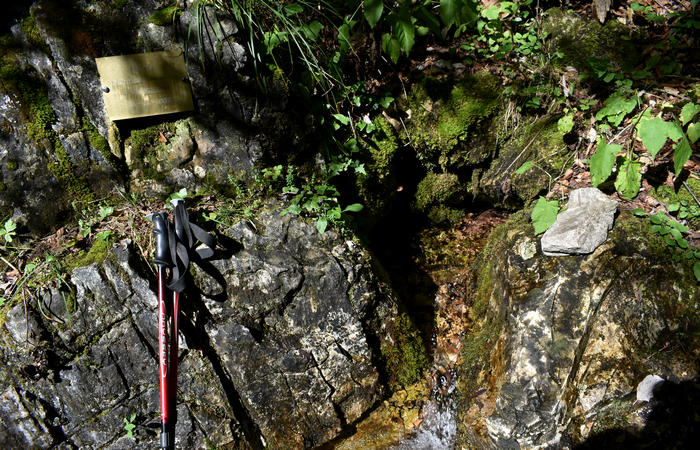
197,337
50,420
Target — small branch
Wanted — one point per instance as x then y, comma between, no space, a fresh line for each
691,193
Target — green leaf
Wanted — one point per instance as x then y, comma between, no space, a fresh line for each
629,180
673,207
292,9
616,108
602,162
404,31
566,123
373,11
449,12
355,207
639,212
342,118
696,271
694,132
312,30
658,218
391,47
653,133
429,20
492,12
527,165
321,224
688,112
544,214
681,155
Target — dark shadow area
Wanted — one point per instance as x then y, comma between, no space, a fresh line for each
672,422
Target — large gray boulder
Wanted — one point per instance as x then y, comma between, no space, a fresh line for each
560,345
277,346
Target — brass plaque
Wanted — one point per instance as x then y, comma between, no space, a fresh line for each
145,84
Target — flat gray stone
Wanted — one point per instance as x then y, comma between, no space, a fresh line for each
583,226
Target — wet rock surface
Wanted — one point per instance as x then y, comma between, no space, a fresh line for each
275,347
560,345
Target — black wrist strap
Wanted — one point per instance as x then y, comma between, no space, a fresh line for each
182,239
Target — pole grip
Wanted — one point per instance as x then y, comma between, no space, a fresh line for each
160,231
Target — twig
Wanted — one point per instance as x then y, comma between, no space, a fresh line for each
691,192
523,151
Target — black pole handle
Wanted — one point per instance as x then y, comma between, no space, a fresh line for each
160,231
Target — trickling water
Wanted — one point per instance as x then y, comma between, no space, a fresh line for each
437,431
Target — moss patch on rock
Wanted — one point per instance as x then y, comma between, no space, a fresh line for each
582,41
403,353
443,113
165,16
538,141
439,195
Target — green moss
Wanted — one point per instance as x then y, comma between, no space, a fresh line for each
667,195
32,34
443,113
165,16
438,194
377,187
97,253
538,141
403,354
99,143
580,40
62,170
11,165
436,188
119,4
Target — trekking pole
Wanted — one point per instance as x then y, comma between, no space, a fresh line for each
163,259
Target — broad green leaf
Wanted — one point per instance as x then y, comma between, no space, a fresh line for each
639,212
602,162
676,235
355,207
492,12
342,118
449,12
688,112
429,20
566,123
312,30
10,225
696,271
694,132
527,165
629,180
321,224
404,31
681,155
373,11
658,218
294,8
391,47
675,206
654,133
544,214
616,108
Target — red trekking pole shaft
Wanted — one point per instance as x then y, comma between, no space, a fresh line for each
163,359
162,260
174,349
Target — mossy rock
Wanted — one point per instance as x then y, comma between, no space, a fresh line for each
444,112
165,16
403,354
572,323
538,141
581,40
158,149
377,187
439,195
